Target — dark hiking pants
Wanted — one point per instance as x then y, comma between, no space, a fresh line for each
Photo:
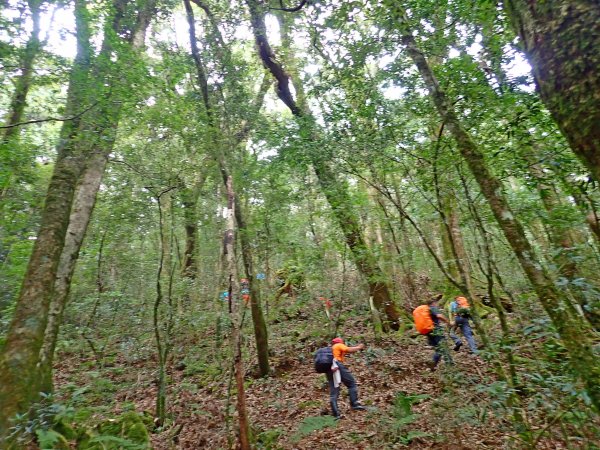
438,341
334,392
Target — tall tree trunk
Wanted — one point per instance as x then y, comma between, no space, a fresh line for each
260,328
107,117
258,320
337,196
19,380
562,40
236,315
161,341
573,332
563,242
189,200
334,189
83,204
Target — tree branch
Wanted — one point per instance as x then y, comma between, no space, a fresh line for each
50,119
268,58
294,9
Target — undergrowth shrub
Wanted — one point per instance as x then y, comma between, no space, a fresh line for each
54,426
311,424
397,426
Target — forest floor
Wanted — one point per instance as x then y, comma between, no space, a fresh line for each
450,407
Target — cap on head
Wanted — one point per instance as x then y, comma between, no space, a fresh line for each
461,298
337,340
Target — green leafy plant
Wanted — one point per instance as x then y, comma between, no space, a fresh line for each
267,439
54,426
402,417
50,439
39,423
108,442
313,423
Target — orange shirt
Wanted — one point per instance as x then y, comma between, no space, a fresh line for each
339,351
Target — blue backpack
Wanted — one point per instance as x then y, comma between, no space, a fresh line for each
323,360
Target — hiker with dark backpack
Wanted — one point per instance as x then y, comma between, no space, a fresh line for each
329,360
461,310
427,321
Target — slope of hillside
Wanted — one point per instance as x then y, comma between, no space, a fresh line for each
408,404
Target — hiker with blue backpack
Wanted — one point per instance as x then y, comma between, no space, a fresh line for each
330,361
461,311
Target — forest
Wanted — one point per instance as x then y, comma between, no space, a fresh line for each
201,198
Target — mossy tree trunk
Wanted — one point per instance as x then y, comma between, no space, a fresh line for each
103,124
83,205
561,39
189,201
564,245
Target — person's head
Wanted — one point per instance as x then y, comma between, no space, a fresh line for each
433,301
459,298
337,340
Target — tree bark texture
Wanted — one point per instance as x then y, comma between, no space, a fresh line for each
333,189
189,200
561,39
19,382
574,333
83,205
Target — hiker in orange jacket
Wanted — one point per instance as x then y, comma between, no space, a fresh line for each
340,350
436,338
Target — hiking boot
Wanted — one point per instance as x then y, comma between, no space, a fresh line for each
458,346
359,408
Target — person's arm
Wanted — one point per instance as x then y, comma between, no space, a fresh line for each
442,318
356,348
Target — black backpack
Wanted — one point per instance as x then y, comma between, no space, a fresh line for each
323,360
